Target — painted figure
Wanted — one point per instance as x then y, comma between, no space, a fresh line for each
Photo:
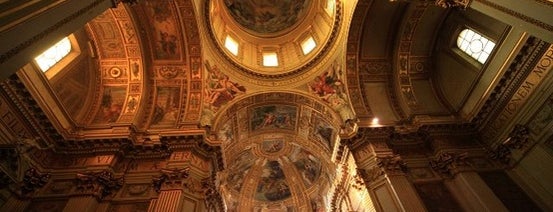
220,89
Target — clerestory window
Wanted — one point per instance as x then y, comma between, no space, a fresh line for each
475,45
54,54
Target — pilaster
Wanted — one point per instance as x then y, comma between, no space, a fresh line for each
81,204
386,181
473,194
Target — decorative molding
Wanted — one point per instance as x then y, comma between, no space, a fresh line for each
511,80
530,83
501,153
353,66
545,2
30,111
392,164
447,163
32,181
462,4
517,140
371,175
101,184
518,14
127,2
292,73
213,199
171,178
358,180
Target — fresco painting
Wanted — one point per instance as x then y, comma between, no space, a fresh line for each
323,131
267,16
329,87
273,117
272,185
272,146
226,134
219,88
317,204
307,165
112,104
239,169
166,45
167,104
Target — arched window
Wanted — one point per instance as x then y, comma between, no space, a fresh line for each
54,54
475,45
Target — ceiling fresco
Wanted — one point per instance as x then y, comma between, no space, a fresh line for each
276,147
119,91
166,39
265,173
296,18
267,16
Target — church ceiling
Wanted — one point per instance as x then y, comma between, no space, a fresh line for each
163,72
151,74
266,17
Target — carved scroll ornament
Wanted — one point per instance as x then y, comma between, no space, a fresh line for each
101,183
446,163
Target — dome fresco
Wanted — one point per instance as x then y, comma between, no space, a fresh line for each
275,169
267,16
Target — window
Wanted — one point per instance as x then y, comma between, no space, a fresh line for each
270,59
54,54
231,45
475,45
308,45
330,6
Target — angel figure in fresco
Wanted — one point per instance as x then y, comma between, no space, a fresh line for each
220,89
330,88
327,84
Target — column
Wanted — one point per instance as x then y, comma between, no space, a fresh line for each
91,188
473,193
171,185
169,200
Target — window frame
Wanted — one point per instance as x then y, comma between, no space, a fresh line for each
74,52
465,52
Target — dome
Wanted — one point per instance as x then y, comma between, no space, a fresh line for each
273,39
267,16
